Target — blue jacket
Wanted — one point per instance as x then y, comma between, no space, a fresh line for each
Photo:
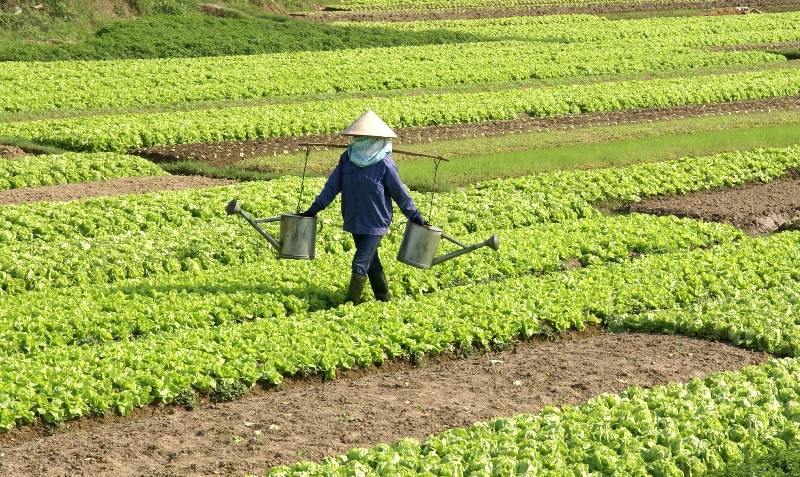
367,195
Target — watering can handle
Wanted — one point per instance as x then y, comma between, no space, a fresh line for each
451,239
268,219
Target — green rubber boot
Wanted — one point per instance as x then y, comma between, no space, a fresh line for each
355,289
377,280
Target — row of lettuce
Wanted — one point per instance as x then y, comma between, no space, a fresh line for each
519,49
678,430
75,352
221,322
392,5
210,336
194,299
698,428
120,132
106,240
696,31
131,83
71,168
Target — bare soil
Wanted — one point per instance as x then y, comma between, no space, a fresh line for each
308,419
756,208
111,187
10,152
760,46
477,13
230,152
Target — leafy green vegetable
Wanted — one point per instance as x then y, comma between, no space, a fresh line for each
104,132
674,430
70,168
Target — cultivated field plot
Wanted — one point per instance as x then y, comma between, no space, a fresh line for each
640,319
408,10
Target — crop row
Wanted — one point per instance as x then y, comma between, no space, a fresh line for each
109,240
551,197
122,132
93,312
765,319
122,83
658,32
42,265
676,430
389,5
70,168
63,382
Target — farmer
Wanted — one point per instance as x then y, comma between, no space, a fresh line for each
368,180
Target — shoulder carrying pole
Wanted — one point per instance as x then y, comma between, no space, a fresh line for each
398,151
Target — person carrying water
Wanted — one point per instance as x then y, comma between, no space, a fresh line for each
368,180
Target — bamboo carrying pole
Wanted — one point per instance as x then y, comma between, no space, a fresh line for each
398,151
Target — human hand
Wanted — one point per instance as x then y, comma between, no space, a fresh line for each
307,213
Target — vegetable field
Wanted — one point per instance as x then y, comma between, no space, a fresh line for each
130,300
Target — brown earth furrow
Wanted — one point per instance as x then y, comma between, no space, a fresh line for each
760,46
308,420
111,187
757,208
598,8
230,152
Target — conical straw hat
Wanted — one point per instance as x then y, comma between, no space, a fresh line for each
369,124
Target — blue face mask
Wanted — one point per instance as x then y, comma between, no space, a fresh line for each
366,151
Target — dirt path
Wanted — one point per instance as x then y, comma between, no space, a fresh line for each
226,153
477,13
111,187
786,45
756,209
309,420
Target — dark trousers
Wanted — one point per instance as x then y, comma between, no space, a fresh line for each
366,259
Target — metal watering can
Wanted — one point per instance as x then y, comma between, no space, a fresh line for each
298,234
420,243
297,237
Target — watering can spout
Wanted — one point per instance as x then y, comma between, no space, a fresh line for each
492,242
234,207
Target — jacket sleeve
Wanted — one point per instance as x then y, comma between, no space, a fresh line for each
399,194
332,187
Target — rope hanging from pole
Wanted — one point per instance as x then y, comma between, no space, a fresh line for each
303,180
436,163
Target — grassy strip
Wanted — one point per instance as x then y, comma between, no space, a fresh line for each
477,159
197,168
470,169
196,35
31,147
790,53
